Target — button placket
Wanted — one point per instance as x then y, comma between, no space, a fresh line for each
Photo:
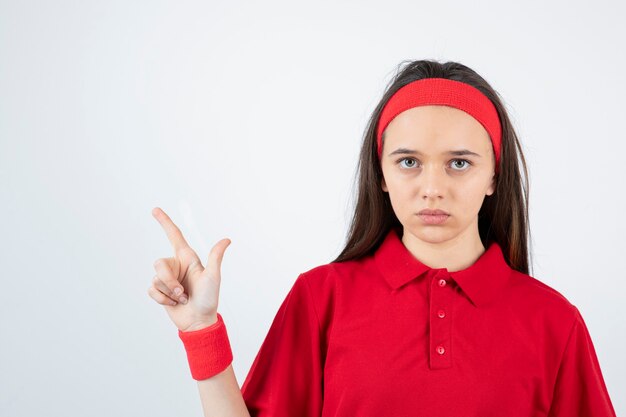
441,299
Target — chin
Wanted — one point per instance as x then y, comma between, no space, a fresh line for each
433,235
433,240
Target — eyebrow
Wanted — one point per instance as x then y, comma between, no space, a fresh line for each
405,151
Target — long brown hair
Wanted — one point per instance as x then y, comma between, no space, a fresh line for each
503,216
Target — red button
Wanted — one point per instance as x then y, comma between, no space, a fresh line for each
440,350
442,282
441,314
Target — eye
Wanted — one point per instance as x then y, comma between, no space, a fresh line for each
456,161
414,162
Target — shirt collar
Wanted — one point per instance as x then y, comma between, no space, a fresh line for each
481,282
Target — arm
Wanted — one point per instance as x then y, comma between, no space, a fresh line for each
286,377
200,327
210,361
580,389
220,395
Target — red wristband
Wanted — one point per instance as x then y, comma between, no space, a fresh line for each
208,349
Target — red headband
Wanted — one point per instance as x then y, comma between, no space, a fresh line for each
442,91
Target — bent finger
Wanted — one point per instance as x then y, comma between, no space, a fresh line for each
168,278
158,284
159,297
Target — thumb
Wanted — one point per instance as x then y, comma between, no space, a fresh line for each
214,264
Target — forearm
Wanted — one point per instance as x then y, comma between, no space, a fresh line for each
221,396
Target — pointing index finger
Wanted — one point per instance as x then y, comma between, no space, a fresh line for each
171,230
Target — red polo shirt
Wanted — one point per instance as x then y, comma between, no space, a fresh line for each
387,335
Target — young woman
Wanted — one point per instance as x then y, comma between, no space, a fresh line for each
430,309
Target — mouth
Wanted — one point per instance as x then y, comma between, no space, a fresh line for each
433,218
436,212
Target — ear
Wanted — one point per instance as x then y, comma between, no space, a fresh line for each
384,186
492,186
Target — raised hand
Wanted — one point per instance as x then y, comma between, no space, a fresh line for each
195,307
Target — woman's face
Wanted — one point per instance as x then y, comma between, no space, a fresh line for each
438,157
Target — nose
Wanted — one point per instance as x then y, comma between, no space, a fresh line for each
432,181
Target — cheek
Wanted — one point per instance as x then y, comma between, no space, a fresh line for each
471,198
401,198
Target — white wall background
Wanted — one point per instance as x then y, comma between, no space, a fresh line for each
244,120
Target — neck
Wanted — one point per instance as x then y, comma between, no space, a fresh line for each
454,255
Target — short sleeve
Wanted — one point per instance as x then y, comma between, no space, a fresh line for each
286,377
580,390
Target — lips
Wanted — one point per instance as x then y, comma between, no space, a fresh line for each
433,217
436,212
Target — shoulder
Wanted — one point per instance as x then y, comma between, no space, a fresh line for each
316,289
540,300
324,283
539,290
328,275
